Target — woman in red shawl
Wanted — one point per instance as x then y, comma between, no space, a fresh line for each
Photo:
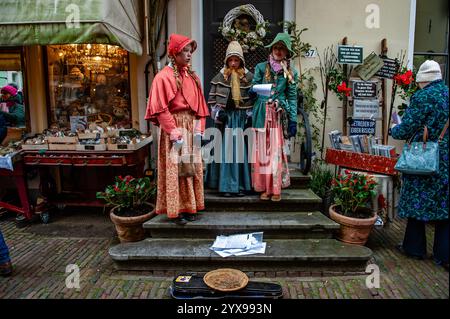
177,105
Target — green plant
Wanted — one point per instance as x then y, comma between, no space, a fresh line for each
128,193
321,178
308,87
299,47
353,191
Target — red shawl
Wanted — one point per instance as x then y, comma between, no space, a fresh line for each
164,88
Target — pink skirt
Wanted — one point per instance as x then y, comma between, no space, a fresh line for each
270,170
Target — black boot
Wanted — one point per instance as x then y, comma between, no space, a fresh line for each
189,217
180,220
6,269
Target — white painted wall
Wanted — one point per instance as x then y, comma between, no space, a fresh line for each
329,21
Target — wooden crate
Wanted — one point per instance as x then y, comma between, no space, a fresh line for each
34,147
91,147
62,140
62,147
129,147
362,161
90,136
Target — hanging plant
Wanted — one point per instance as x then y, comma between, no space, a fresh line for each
238,29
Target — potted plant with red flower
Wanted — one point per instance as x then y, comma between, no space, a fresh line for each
353,193
130,201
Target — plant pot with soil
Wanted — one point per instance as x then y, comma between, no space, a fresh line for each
131,205
320,184
352,195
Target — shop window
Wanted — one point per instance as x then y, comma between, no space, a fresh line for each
431,34
11,75
88,83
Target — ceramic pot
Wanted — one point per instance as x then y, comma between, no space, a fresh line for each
354,231
129,229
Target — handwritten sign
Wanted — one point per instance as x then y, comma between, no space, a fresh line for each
363,127
371,65
389,69
363,89
366,109
348,54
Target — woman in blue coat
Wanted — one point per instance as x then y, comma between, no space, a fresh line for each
425,198
5,261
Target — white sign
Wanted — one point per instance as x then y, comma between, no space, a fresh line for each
312,53
366,109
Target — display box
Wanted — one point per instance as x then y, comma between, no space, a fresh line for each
91,147
62,147
129,147
362,161
34,147
62,140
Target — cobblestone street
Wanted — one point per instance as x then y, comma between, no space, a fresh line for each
40,254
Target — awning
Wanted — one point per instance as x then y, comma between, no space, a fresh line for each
43,22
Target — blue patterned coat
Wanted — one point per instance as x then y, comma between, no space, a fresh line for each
426,197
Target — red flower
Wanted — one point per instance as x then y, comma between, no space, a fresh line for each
116,189
342,88
404,79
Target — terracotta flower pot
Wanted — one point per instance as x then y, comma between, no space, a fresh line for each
129,229
354,231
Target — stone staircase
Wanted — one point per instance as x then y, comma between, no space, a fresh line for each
298,236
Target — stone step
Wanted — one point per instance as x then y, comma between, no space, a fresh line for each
298,180
281,255
295,200
274,225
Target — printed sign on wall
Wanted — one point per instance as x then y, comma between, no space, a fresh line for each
363,127
348,54
366,109
363,89
389,69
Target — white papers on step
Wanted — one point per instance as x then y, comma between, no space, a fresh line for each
239,245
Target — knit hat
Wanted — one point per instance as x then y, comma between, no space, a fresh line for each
177,42
429,71
234,49
9,89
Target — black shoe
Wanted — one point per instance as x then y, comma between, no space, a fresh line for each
180,221
240,194
227,195
190,217
404,253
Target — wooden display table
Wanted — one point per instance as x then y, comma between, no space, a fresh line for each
18,173
78,175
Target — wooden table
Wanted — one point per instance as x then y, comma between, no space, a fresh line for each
79,175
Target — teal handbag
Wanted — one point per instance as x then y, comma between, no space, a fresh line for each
421,158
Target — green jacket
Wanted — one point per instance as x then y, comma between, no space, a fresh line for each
284,92
16,115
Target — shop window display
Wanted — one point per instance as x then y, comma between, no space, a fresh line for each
88,83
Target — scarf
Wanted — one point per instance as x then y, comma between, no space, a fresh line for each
275,65
235,82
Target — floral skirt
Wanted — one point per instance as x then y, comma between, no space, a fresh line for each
270,170
176,194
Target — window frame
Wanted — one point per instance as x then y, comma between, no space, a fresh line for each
47,84
23,64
